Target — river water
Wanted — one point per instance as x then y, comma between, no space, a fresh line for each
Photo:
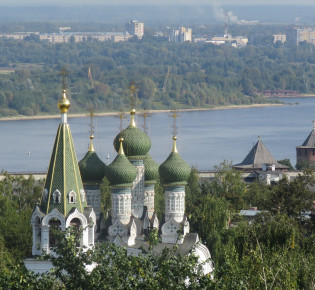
205,138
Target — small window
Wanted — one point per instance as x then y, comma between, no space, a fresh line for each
57,196
72,196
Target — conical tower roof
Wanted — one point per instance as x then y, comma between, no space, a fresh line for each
121,173
92,168
63,176
258,156
151,173
310,140
174,170
136,143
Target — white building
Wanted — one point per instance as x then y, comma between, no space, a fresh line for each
134,27
182,34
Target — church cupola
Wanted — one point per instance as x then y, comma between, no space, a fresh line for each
136,143
63,202
174,172
121,173
92,170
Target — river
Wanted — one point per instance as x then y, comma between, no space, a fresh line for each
205,138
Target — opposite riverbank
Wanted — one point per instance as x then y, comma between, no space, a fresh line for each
229,107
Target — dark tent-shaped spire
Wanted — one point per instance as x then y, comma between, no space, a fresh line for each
258,156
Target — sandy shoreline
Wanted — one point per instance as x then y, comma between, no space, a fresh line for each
229,107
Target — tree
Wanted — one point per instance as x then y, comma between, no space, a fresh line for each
303,164
112,268
147,89
293,197
229,184
286,162
266,254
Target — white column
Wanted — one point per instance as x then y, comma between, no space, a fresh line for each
36,249
45,239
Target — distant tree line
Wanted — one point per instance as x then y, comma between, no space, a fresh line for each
169,75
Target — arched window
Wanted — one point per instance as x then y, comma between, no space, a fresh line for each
72,196
75,223
54,226
57,196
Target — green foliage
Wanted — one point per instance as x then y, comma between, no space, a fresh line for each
293,197
266,254
274,250
17,199
229,184
159,200
286,162
304,164
200,75
105,195
111,268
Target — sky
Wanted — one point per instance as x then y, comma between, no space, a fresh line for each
156,2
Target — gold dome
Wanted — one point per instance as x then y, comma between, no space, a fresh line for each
63,103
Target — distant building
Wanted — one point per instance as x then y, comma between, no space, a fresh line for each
135,27
279,37
307,150
296,35
201,39
17,35
259,159
66,37
237,41
182,34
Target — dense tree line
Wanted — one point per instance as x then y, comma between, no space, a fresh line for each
169,75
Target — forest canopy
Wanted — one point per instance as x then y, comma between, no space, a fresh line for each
169,75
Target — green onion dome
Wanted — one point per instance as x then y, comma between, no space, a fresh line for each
151,172
136,143
92,168
121,172
174,170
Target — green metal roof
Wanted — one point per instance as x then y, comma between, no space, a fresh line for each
92,168
174,170
63,175
121,172
136,143
151,173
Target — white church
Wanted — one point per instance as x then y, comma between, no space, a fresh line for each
72,197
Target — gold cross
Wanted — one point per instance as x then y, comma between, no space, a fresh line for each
64,73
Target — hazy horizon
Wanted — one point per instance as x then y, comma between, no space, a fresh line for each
22,3
153,14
